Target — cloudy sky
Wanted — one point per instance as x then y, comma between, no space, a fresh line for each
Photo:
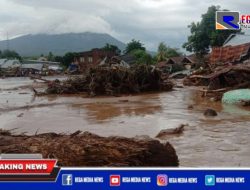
150,21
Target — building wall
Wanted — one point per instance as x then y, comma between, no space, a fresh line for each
92,58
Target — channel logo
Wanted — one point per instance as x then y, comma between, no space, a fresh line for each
115,180
67,179
210,180
162,180
227,20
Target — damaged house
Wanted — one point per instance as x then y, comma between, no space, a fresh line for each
9,67
123,60
29,68
174,64
40,67
236,49
175,60
190,61
92,58
167,66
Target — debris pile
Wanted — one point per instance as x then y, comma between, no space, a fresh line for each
221,79
113,80
86,149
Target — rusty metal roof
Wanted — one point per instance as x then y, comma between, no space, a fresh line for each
178,59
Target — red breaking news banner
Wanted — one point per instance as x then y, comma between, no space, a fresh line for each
27,166
28,170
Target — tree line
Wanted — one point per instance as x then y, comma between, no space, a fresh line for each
9,54
134,47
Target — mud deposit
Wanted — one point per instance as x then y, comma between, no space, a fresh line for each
221,141
86,149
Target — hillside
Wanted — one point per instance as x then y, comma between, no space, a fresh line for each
59,44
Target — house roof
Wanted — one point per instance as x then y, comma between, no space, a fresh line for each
176,59
230,53
191,58
42,59
55,67
235,49
37,66
2,61
129,59
161,64
237,39
11,64
96,51
40,62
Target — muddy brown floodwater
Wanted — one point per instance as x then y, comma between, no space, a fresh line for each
222,141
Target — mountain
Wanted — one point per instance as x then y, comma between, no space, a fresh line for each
59,44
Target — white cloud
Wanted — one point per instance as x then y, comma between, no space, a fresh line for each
151,21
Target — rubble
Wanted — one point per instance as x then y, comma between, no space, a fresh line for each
245,103
86,149
220,79
114,80
210,112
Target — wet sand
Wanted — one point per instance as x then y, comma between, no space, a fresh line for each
222,141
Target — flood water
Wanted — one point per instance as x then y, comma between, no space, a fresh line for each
222,141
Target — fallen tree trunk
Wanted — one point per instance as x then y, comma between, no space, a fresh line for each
39,78
86,149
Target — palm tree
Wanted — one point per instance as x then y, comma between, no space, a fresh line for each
162,52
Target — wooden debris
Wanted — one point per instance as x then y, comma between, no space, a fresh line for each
113,81
86,149
166,132
221,79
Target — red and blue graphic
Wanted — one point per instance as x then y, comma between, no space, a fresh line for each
231,20
227,20
45,174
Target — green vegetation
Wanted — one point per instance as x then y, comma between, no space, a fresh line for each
113,48
204,35
66,59
9,54
137,49
134,45
142,57
165,52
51,57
